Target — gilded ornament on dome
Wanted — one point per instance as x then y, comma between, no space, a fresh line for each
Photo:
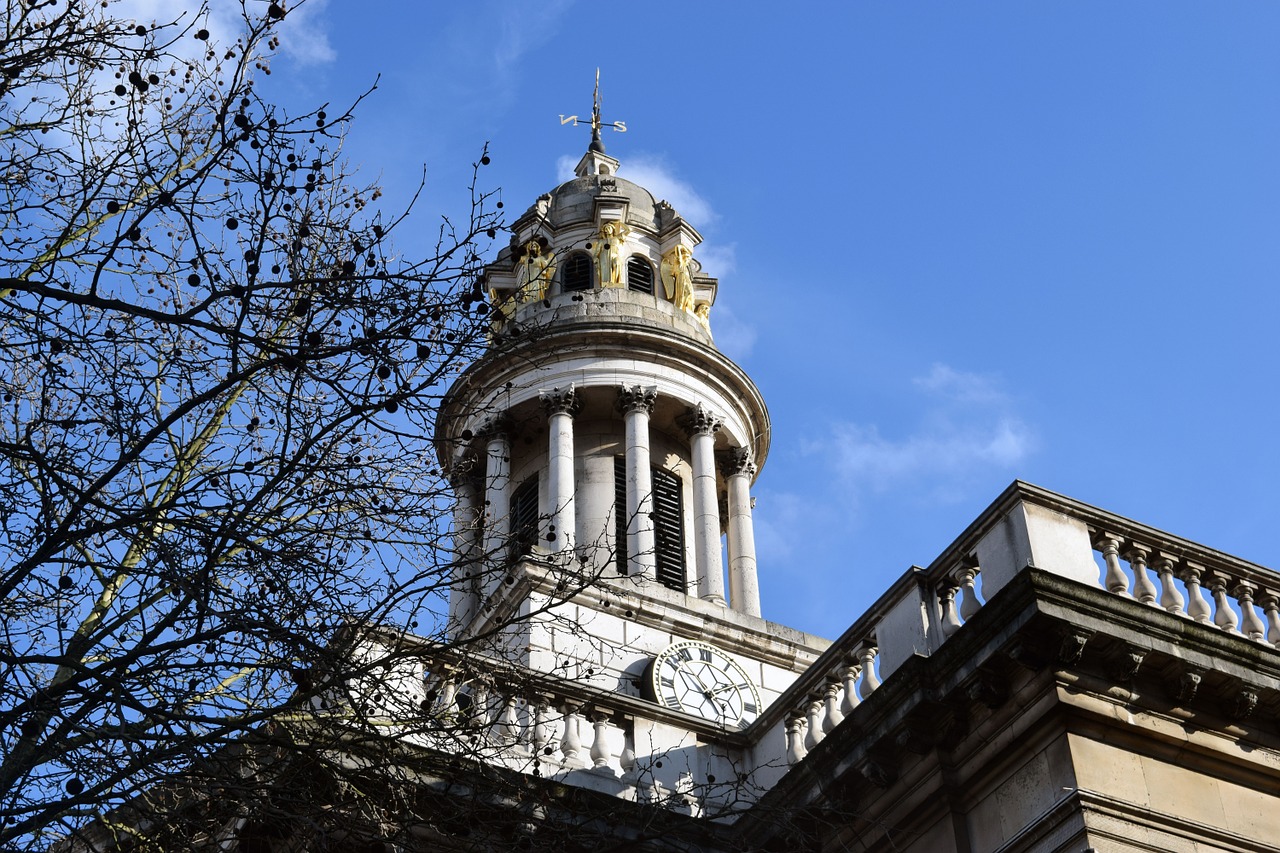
702,311
608,253
534,271
677,277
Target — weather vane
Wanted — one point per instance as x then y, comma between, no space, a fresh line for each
596,124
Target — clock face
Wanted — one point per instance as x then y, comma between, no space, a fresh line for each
699,679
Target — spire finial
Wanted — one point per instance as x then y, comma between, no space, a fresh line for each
597,145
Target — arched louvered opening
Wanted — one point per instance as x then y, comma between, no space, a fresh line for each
576,272
639,274
524,518
668,526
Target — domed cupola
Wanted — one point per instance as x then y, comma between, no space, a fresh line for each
602,235
603,430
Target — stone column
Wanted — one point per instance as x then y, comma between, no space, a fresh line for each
636,404
702,425
463,594
497,504
744,589
560,404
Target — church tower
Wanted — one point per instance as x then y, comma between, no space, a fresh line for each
602,454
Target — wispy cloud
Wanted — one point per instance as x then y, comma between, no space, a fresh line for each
303,37
652,174
734,337
521,32
969,426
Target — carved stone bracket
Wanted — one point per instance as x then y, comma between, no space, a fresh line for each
988,688
633,398
1123,664
1241,705
699,420
560,401
1071,648
879,770
1186,686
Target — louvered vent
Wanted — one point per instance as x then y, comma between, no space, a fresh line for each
639,274
524,518
620,511
668,515
576,274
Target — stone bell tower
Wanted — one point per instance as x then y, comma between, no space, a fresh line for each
603,450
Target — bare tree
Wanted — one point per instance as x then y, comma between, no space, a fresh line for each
217,384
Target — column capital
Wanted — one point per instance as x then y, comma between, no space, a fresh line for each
699,420
737,460
636,398
496,426
560,401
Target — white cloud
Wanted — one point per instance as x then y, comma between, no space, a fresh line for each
718,261
653,175
960,386
968,427
302,32
521,32
733,337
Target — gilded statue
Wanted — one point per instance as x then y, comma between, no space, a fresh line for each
533,272
702,311
677,278
608,253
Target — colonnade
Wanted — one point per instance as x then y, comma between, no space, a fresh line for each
635,402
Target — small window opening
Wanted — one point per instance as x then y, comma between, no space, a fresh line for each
639,274
577,273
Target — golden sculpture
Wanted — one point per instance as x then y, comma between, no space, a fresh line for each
702,311
677,279
533,272
608,253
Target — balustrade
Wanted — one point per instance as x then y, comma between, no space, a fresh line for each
1234,597
844,689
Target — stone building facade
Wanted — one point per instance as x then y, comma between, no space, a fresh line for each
1059,679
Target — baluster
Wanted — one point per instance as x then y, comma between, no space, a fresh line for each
571,742
627,760
1170,598
1197,607
601,753
1269,601
506,729
815,734
1223,616
796,750
448,705
948,618
479,715
1116,580
834,717
851,699
969,605
1250,625
870,681
538,731
1143,589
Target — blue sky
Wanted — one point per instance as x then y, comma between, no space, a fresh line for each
958,243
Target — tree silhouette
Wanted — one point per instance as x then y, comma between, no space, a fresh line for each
217,384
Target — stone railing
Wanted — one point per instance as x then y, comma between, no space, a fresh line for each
480,707
1025,527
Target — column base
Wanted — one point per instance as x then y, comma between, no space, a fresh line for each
716,599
